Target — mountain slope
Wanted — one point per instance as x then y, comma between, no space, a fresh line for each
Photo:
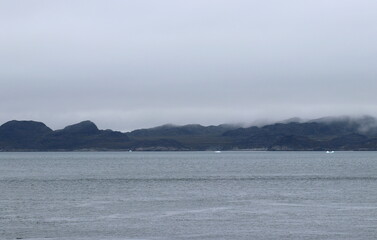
325,133
320,134
84,135
22,134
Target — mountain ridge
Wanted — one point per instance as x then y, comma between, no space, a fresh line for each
334,133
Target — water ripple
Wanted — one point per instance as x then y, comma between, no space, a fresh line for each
199,179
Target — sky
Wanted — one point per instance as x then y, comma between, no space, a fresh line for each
129,64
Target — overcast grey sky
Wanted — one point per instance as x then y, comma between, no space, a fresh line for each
128,64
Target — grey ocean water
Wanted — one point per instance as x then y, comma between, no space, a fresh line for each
188,195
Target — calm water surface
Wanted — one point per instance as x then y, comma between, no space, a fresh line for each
188,195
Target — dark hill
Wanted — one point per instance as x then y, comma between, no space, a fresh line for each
187,137
325,133
85,127
310,129
170,130
320,134
85,135
22,134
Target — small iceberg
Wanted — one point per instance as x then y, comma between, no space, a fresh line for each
329,151
217,151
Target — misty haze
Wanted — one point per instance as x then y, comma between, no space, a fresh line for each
138,64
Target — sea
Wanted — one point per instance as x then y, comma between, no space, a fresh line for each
188,195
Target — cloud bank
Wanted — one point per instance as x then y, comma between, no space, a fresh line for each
132,64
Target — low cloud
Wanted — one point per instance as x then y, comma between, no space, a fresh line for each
133,64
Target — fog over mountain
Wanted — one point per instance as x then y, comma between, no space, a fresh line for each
137,64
